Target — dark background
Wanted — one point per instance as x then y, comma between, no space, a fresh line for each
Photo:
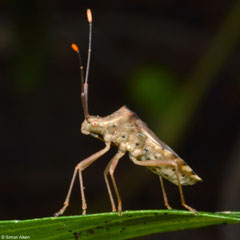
175,63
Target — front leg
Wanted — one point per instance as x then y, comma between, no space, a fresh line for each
79,168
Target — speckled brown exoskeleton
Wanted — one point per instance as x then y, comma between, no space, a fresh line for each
129,134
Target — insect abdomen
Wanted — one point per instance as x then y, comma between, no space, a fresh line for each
186,174
130,134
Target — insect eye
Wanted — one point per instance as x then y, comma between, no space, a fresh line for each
94,123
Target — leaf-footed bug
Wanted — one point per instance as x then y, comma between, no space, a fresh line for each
129,134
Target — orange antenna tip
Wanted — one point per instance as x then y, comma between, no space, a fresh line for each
89,15
75,47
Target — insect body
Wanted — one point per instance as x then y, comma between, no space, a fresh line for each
129,134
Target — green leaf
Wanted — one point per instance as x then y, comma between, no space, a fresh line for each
109,225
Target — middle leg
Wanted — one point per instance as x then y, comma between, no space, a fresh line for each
110,170
164,194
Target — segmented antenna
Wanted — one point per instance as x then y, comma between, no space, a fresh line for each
76,49
84,84
89,17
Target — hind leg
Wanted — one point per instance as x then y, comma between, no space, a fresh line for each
156,163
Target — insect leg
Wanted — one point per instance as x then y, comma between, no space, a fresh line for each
108,187
110,169
164,193
80,167
66,202
181,193
155,163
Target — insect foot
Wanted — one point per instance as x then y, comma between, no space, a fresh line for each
190,209
62,210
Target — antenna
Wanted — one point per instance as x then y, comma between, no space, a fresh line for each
84,84
89,17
